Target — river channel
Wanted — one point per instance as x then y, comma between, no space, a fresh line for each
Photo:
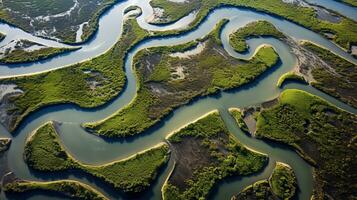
92,149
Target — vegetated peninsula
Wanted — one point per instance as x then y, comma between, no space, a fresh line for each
55,19
21,51
323,134
282,184
344,32
206,153
252,30
44,152
69,188
169,77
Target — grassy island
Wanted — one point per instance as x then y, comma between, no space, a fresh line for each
172,76
55,19
321,133
205,154
44,152
4,144
339,80
290,76
345,32
281,185
255,29
20,54
283,181
68,188
87,84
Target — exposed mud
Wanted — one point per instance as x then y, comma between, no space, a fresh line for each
95,80
8,115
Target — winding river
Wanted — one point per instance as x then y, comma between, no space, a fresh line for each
91,149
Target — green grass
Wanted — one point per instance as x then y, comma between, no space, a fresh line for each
283,181
238,116
227,158
206,73
320,132
21,56
71,84
251,30
345,31
289,76
341,82
69,188
44,152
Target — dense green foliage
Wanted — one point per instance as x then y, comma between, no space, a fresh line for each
289,76
251,30
341,81
345,31
20,55
76,83
69,188
224,156
159,92
238,116
44,152
281,185
40,16
283,181
322,133
259,190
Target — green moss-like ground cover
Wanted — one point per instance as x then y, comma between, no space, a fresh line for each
251,30
207,153
322,133
341,82
73,84
44,152
159,91
283,181
345,31
238,116
21,56
289,76
68,188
